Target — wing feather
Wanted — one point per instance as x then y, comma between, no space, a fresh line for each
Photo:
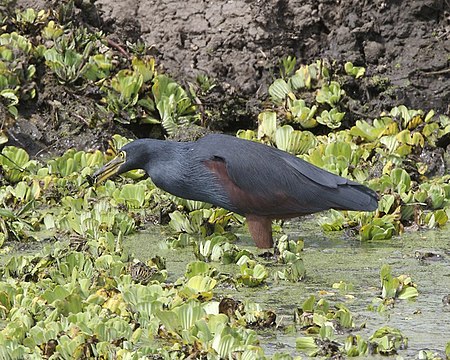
291,184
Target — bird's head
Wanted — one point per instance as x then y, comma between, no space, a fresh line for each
132,156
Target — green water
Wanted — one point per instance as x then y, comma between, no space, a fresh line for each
333,257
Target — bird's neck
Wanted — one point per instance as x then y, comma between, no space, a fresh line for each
166,164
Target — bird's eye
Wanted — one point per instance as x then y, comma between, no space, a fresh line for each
122,154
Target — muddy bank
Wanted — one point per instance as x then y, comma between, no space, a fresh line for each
404,46
239,42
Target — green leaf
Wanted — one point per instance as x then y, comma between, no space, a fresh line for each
307,345
401,179
409,292
355,71
308,304
58,293
267,125
189,314
279,90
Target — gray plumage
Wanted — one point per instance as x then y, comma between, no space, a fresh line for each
259,179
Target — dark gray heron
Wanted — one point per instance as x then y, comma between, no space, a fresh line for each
257,181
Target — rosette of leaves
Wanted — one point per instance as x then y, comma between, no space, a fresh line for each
198,287
133,196
285,137
330,94
355,71
314,315
290,255
75,162
294,141
203,219
174,106
339,157
387,340
15,225
393,289
249,314
331,118
285,92
17,71
324,345
52,31
218,248
400,287
30,20
211,333
436,128
299,113
251,273
64,59
124,95
199,268
75,56
409,118
16,163
371,132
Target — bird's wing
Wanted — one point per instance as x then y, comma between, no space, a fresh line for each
258,168
273,182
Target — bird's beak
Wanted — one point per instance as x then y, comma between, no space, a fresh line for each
109,169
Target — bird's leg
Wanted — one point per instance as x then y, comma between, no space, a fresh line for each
260,228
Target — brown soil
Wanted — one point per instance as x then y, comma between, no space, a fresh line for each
404,45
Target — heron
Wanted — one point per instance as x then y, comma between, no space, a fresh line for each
257,181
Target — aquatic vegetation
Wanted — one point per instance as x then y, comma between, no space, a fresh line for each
85,296
17,70
409,194
93,302
429,355
290,255
331,118
142,94
384,341
123,94
286,94
131,89
15,163
356,71
251,273
387,341
174,106
284,137
67,64
330,94
312,316
183,312
324,345
392,288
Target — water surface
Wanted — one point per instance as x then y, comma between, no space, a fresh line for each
333,257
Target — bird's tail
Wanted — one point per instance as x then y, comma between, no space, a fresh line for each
353,196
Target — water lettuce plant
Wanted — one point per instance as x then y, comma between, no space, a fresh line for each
290,93
130,87
393,288
17,71
85,296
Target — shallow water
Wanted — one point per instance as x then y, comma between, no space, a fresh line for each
333,257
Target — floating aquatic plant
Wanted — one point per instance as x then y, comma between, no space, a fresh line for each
393,288
387,341
356,71
251,273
